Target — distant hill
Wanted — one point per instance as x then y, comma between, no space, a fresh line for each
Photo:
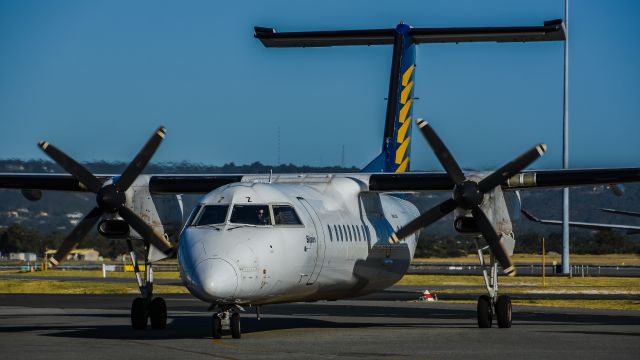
56,210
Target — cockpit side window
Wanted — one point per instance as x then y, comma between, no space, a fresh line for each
193,215
251,215
285,215
211,214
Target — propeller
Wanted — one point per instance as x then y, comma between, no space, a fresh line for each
469,194
110,198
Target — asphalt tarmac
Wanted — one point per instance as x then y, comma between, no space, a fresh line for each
382,325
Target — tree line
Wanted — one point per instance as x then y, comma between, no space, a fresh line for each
20,238
596,243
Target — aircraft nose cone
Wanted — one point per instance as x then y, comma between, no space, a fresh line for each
215,279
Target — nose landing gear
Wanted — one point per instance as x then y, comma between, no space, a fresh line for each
227,317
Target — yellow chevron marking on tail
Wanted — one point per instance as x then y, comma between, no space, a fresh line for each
407,75
403,167
405,93
402,149
402,131
404,111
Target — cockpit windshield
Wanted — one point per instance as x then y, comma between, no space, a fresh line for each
285,215
210,215
251,215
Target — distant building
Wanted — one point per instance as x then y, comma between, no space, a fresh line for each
23,256
79,255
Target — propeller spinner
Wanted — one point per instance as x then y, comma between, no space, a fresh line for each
469,195
110,198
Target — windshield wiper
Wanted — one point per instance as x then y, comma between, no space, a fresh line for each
209,225
241,225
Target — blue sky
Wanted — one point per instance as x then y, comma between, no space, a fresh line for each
96,77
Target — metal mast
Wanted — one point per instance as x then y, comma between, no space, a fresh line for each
565,146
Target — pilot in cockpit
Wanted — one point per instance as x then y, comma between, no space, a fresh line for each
263,219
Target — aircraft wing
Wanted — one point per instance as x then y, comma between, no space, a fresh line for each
383,182
439,181
178,184
631,229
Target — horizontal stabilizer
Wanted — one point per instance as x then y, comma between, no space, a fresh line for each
551,31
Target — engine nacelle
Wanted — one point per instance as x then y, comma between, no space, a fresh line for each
163,212
113,228
495,207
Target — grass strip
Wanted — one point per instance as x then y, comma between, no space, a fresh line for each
79,288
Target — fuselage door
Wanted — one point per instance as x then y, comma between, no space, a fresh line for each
315,240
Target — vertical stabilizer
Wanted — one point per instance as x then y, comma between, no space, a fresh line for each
396,145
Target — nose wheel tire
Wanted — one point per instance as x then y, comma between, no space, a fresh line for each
235,326
484,312
503,311
139,314
216,326
158,313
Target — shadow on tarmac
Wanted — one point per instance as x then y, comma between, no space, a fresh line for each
307,316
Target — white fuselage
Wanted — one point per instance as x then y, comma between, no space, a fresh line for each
338,248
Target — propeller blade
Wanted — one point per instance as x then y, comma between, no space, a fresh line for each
442,153
424,220
501,175
77,234
141,160
493,240
74,168
146,231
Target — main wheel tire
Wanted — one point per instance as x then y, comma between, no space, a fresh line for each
235,326
503,311
139,314
484,312
216,326
158,313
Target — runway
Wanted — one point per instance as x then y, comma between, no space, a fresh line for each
97,326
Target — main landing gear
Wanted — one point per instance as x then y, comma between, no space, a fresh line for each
146,307
492,305
227,317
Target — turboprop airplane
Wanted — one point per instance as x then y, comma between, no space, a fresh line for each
263,239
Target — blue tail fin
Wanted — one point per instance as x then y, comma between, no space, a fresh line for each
396,146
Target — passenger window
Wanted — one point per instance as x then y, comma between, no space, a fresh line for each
358,231
212,214
285,215
349,230
250,215
330,234
341,236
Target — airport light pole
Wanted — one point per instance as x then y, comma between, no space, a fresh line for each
565,146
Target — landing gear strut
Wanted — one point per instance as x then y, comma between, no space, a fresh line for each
492,304
226,316
146,307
